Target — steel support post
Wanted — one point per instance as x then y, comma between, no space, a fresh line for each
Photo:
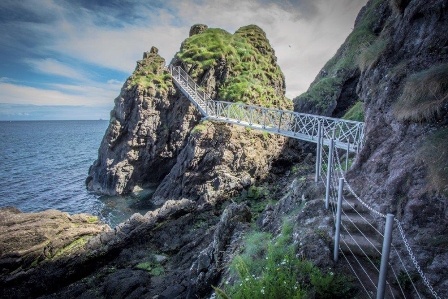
280,121
329,165
338,221
385,256
346,156
318,151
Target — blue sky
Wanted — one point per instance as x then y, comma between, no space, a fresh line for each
67,59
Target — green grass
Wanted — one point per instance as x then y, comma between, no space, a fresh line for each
269,268
92,219
371,54
424,95
356,112
200,127
73,247
253,71
154,268
151,75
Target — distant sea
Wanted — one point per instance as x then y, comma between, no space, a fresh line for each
44,164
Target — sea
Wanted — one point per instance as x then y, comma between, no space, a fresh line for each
44,164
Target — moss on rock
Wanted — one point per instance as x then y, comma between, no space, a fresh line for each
253,76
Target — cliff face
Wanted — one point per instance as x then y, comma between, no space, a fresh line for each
148,128
394,68
154,139
404,87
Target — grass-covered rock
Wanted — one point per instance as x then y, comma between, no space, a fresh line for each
150,75
240,67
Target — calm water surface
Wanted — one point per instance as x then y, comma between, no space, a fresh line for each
43,165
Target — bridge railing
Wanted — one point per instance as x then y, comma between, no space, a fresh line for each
347,134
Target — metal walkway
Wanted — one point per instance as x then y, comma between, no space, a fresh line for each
346,134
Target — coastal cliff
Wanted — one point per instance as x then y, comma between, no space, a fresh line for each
231,199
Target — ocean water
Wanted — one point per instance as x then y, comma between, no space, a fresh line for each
44,164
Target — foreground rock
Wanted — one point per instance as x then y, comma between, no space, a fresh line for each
27,239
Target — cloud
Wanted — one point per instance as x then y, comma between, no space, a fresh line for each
73,95
54,67
64,39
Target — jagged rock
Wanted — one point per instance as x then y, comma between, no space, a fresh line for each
212,260
396,172
218,161
396,159
149,127
197,29
149,141
27,239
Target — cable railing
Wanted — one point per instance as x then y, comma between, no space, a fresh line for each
356,238
399,272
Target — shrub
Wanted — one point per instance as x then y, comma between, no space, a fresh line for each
424,95
370,55
269,268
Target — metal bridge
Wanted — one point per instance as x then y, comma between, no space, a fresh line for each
346,134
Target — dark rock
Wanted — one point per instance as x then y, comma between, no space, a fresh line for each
211,261
126,283
197,29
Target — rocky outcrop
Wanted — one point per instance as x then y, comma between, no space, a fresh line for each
35,249
27,239
211,261
148,128
398,54
402,145
218,161
154,139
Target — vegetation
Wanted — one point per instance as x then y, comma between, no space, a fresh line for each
424,95
73,246
253,71
433,152
370,55
151,75
269,268
356,112
324,91
153,267
200,127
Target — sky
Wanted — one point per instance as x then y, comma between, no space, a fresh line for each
68,59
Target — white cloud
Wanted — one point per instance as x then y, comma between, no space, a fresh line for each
302,45
304,34
54,67
73,95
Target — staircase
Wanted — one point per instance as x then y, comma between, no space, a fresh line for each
359,236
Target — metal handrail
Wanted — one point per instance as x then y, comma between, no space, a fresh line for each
347,134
